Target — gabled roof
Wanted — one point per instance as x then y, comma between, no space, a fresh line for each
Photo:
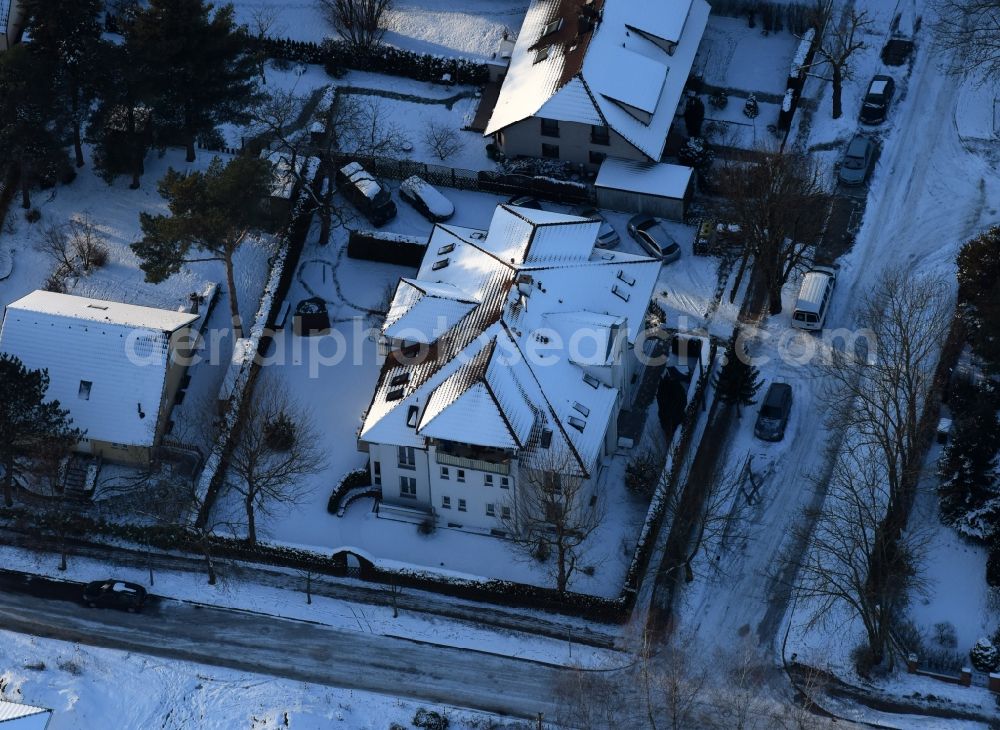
621,73
419,309
532,273
107,361
15,716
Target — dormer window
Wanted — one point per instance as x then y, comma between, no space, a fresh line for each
591,380
552,27
581,409
396,394
447,248
438,265
84,392
578,423
401,379
622,276
541,54
623,295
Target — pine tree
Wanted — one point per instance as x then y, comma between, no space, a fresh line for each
979,294
212,212
968,465
29,121
29,426
200,65
65,36
738,381
120,126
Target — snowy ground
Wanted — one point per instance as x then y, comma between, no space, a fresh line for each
366,618
929,192
472,29
102,688
339,394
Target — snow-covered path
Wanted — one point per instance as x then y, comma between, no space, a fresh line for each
928,195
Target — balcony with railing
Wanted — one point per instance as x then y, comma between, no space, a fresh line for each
463,456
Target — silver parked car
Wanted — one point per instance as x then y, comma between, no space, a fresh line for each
653,237
858,161
607,236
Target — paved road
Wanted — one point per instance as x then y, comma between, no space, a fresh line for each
292,649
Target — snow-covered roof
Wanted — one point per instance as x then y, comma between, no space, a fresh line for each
531,277
100,310
648,178
107,361
620,63
15,716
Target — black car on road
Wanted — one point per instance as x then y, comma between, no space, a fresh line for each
876,103
113,593
774,411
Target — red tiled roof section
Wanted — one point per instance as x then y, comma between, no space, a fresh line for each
579,21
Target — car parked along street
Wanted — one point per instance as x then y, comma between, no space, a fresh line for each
772,419
875,106
113,593
856,165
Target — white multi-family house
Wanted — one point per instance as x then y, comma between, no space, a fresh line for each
591,79
116,367
512,350
12,16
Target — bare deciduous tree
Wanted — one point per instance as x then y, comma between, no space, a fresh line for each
555,510
264,23
838,43
846,563
877,385
277,447
972,28
358,22
443,140
777,200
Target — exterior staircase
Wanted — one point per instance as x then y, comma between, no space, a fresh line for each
75,481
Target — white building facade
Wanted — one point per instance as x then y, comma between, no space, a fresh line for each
511,352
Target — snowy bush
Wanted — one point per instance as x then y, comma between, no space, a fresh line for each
719,100
430,720
751,108
984,655
695,153
427,526
642,474
352,480
944,635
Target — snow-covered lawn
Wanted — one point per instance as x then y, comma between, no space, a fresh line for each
472,29
339,393
103,688
736,56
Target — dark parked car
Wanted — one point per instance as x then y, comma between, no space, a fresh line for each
653,237
774,411
876,103
366,193
857,162
607,236
113,593
525,201
427,199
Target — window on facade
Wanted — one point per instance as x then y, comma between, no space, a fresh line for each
461,505
551,481
377,473
599,134
408,487
491,510
407,457
551,151
504,482
461,475
488,480
446,502
550,127
596,158
84,392
553,512
505,512
445,474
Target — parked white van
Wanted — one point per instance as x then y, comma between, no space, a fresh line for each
814,298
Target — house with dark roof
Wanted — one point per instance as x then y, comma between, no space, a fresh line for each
513,349
591,79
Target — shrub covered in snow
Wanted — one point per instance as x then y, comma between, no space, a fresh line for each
984,655
352,480
430,720
695,153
